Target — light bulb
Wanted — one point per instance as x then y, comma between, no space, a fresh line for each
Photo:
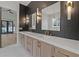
27,17
24,20
27,21
69,10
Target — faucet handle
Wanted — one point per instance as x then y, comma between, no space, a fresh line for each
45,32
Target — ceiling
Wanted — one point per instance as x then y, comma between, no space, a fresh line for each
24,2
39,4
14,5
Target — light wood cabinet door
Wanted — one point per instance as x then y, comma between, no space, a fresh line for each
4,41
19,38
11,39
29,45
26,42
23,40
53,51
46,50
59,52
8,39
36,48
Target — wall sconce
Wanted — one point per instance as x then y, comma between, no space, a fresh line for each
69,9
39,15
24,20
27,19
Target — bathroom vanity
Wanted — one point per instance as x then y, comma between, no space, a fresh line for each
39,45
51,20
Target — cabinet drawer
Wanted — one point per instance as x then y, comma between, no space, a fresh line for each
59,52
46,50
29,41
36,48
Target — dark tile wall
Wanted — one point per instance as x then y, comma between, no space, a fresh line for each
23,11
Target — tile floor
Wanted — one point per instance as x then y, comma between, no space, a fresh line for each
14,51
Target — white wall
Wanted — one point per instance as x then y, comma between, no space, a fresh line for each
14,5
9,4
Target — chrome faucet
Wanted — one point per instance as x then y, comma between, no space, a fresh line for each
47,33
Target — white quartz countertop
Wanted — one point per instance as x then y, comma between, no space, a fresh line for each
67,44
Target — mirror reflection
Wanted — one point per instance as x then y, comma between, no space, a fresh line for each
51,17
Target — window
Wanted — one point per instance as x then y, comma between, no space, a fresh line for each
4,27
7,27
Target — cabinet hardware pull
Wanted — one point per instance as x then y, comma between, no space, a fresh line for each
39,45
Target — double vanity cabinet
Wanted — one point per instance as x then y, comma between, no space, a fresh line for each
39,48
35,47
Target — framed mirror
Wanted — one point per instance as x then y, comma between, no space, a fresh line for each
51,17
4,26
